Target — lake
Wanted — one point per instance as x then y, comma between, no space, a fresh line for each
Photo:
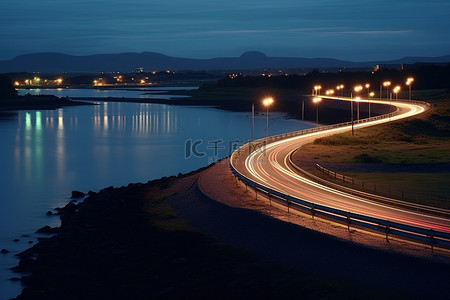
48,153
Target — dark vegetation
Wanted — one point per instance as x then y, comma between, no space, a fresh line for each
7,90
126,243
426,77
9,100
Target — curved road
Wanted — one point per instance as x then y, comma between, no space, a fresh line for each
272,169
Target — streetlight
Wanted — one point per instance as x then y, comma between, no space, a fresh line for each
267,102
341,88
396,90
317,89
370,96
317,101
358,89
409,81
386,84
253,119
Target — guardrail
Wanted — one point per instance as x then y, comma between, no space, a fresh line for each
418,234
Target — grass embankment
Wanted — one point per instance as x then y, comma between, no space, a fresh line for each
127,243
421,143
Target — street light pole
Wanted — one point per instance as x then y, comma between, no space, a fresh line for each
351,109
357,90
267,102
370,95
253,119
303,110
387,84
317,101
409,83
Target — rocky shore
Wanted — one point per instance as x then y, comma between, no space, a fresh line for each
203,236
127,243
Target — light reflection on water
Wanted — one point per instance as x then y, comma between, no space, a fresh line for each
47,154
146,93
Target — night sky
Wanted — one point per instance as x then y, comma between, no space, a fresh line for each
352,30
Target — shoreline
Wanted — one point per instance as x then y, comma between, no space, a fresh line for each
39,102
113,222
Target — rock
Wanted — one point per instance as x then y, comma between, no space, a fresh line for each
4,251
49,213
25,265
69,208
14,279
77,194
47,230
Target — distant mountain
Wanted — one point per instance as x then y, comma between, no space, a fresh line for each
125,62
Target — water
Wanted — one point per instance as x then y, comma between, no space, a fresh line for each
132,92
47,154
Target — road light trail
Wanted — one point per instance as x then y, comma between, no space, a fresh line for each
271,167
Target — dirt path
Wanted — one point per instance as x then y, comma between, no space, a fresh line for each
315,247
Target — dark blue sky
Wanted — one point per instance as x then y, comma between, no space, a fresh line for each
352,30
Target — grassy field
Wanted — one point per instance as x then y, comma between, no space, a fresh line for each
421,140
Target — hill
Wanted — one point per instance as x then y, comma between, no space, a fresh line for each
125,62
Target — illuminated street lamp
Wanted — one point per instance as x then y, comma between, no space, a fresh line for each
341,88
358,89
267,102
317,89
396,90
386,84
409,82
317,101
371,94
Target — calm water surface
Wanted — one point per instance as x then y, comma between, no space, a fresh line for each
47,154
132,92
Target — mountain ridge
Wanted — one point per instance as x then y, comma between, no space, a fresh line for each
55,62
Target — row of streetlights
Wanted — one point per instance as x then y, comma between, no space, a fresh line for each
357,89
316,92
317,88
